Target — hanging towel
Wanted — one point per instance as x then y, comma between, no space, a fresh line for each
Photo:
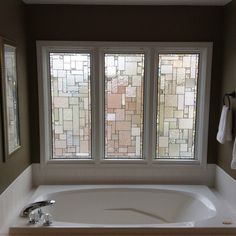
225,126
233,163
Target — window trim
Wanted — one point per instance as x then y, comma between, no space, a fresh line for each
203,101
46,101
149,140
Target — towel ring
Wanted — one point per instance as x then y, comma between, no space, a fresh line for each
225,96
228,95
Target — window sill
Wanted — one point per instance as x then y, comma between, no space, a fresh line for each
177,162
121,163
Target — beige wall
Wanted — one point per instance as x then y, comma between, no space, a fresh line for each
229,80
12,27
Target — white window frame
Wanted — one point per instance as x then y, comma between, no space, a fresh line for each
202,106
151,51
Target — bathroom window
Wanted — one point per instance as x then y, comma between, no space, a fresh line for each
70,105
106,104
124,87
177,105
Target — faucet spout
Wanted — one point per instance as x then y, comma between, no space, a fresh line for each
36,205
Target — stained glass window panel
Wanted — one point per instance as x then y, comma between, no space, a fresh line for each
124,85
177,104
71,105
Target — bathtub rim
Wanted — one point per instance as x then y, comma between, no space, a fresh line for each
197,189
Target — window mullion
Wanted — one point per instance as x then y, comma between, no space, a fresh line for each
97,131
94,108
152,104
147,108
100,104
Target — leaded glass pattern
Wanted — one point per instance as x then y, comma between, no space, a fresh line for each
71,105
11,98
124,85
177,103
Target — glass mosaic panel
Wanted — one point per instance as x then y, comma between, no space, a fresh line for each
124,84
12,112
71,105
177,103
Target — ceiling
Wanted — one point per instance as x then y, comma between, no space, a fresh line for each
133,2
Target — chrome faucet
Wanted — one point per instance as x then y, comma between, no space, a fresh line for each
36,205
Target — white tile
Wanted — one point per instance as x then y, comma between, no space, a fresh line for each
14,198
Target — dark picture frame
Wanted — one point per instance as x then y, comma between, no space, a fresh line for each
9,97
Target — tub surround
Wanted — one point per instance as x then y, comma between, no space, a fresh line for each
13,198
123,174
17,195
225,186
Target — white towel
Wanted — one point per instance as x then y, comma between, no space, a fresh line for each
233,163
225,126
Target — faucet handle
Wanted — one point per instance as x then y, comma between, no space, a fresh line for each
38,216
34,217
47,219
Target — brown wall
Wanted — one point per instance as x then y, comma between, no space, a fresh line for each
12,27
229,80
125,23
114,23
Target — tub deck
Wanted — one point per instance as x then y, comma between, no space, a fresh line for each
200,212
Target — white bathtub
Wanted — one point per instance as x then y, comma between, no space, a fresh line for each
131,207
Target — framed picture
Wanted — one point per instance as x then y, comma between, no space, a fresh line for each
9,97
